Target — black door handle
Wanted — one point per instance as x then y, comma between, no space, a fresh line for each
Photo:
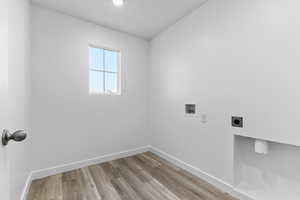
17,136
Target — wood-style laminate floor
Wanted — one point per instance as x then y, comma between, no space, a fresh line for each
142,177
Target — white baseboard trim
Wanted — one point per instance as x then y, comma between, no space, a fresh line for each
226,187
37,174
26,187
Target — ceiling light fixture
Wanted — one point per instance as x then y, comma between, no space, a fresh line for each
118,3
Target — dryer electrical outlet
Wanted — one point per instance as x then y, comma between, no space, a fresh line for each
237,122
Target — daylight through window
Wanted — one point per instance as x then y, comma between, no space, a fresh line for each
104,69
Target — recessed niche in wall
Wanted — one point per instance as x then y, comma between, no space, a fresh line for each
190,109
273,176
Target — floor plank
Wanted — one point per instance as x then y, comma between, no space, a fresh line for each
142,177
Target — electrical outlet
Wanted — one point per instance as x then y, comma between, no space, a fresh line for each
237,122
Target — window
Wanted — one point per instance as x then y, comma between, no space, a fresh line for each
104,71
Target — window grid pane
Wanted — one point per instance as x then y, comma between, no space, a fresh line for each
96,81
111,81
111,61
96,58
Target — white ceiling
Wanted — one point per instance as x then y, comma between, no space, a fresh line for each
143,18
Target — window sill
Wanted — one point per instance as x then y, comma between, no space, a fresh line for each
104,94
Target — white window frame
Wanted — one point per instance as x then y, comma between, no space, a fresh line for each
119,90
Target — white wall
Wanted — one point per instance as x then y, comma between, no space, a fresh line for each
233,57
4,176
69,124
19,91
